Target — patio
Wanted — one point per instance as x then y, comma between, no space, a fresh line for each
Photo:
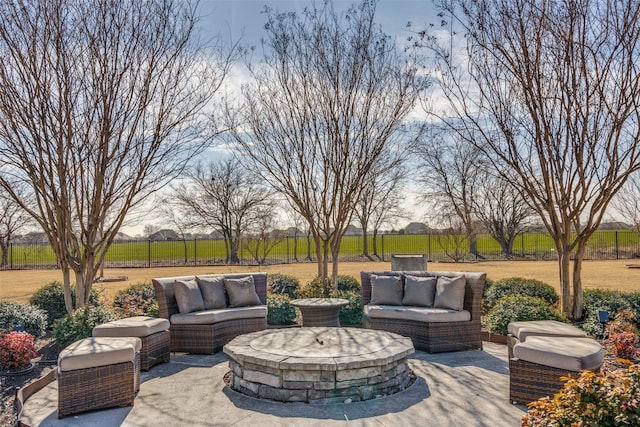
461,388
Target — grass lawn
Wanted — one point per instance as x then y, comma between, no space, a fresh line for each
18,285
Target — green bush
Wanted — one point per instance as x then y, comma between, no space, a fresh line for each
279,310
317,288
602,299
518,286
283,284
32,318
50,298
517,308
80,324
349,283
351,314
136,300
591,399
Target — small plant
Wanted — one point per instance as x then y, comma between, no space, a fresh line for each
623,344
518,308
50,298
30,317
349,283
519,286
317,288
624,321
279,310
591,399
602,299
16,350
351,314
283,284
80,324
136,300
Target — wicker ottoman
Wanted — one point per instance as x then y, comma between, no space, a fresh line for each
539,362
154,333
98,373
519,331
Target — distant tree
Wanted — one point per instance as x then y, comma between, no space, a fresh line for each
150,229
13,219
552,88
223,196
328,101
627,202
100,106
262,237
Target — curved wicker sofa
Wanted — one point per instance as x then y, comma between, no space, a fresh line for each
433,337
208,338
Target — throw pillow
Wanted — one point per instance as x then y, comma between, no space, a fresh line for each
188,296
450,292
242,292
420,291
386,290
212,289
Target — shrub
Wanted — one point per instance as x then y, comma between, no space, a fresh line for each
591,399
136,300
349,283
518,308
623,344
279,310
32,318
624,321
16,350
601,299
283,284
519,286
50,298
317,288
80,324
351,314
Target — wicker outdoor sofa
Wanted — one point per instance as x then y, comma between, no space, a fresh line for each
207,331
431,329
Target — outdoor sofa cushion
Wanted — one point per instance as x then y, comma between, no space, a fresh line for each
188,296
418,314
213,294
550,328
242,292
450,292
420,291
568,353
386,290
207,317
103,351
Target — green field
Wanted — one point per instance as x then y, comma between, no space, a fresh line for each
603,245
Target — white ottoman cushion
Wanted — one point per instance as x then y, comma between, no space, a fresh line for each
571,354
138,326
103,351
549,328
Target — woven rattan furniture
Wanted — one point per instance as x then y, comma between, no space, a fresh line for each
542,352
217,327
436,336
320,311
98,373
153,332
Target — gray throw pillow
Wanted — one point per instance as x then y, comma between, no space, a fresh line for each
450,292
212,289
242,292
420,291
386,290
188,296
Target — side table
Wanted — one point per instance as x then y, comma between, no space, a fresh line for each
320,311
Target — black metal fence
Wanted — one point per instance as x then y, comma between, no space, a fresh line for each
622,244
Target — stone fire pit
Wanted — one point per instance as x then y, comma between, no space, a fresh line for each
318,364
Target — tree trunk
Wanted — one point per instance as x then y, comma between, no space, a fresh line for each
66,282
578,298
375,243
5,254
564,261
365,244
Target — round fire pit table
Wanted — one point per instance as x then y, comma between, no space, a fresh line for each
320,311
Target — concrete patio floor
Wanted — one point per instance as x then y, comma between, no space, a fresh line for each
469,388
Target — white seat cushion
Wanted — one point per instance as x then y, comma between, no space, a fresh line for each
103,351
415,313
549,328
207,317
568,353
138,326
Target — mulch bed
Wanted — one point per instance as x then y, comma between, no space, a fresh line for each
47,358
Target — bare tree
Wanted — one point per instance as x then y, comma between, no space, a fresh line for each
223,196
503,210
553,88
450,172
627,202
262,238
326,104
99,108
13,218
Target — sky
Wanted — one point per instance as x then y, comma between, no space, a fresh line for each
243,20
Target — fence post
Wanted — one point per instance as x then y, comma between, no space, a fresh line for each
522,243
617,246
195,252
11,255
382,244
149,253
429,246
